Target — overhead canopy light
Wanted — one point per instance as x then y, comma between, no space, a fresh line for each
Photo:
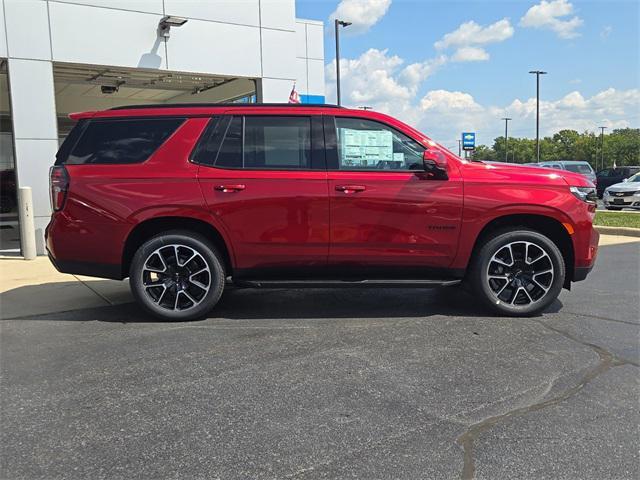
167,22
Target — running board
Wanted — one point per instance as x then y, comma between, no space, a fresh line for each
409,283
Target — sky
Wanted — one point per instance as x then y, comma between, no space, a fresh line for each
461,65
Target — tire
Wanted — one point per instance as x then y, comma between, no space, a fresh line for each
177,276
520,289
613,208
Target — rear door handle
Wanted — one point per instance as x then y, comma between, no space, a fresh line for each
229,188
350,188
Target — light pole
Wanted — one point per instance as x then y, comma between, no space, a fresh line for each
506,138
538,73
602,145
337,25
460,148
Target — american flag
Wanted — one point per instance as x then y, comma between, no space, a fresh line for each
293,96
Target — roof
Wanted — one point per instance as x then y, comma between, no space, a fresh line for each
225,105
202,109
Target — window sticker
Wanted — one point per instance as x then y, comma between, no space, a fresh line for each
365,148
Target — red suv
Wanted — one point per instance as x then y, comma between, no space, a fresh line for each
185,198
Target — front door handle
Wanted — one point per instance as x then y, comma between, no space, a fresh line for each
229,188
350,188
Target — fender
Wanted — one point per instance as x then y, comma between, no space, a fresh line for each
180,212
474,222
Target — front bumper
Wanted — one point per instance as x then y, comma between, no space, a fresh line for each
630,201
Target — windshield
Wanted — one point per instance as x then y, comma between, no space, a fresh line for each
634,178
578,168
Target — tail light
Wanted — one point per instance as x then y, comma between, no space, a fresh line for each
59,186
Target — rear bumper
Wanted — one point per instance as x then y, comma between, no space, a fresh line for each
64,248
89,269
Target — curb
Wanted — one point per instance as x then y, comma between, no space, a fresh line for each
625,231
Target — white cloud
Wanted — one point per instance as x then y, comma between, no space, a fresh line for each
382,81
469,38
605,32
363,14
444,101
470,33
470,54
548,14
443,115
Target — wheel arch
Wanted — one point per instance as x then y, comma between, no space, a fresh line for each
151,227
546,225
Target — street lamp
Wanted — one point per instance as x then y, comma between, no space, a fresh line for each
538,73
337,25
601,147
506,138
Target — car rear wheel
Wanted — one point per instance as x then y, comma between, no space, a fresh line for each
518,272
177,276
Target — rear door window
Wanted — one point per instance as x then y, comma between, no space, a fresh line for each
258,143
282,143
120,141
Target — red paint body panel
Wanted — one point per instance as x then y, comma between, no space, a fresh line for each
296,219
279,219
398,219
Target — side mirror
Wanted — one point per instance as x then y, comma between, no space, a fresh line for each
435,164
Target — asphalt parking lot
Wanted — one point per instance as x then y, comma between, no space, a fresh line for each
331,384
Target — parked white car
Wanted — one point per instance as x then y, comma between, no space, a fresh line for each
625,194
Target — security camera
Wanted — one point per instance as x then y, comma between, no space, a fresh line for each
108,89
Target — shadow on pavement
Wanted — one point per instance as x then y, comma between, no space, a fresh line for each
252,304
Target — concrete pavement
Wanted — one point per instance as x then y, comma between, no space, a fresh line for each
319,384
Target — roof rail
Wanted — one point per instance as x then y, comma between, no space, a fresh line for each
217,105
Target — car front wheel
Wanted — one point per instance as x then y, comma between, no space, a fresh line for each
518,272
177,276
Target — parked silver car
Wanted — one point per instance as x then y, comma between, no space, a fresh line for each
574,166
625,194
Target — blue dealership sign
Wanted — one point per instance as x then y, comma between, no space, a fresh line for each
468,140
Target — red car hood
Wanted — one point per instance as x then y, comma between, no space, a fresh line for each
511,172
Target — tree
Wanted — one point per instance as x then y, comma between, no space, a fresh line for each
621,146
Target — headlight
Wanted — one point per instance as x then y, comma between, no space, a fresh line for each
637,194
586,194
606,191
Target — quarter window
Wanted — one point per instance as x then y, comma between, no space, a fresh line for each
121,141
368,145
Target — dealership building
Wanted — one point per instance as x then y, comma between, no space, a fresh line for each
63,56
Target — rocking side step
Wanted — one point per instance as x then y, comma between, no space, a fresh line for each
409,283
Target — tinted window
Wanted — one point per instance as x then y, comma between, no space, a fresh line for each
69,142
207,148
578,168
280,143
368,145
230,154
277,142
121,141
